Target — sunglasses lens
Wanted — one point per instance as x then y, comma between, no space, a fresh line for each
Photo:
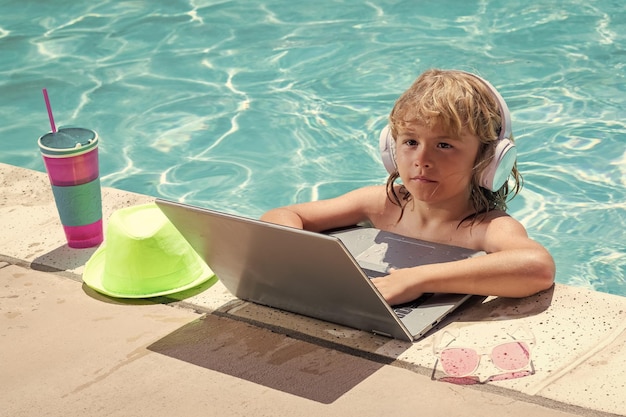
511,356
459,361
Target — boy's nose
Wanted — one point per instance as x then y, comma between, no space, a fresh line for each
423,157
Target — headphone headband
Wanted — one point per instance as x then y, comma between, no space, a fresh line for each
505,114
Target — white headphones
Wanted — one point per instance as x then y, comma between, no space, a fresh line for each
505,153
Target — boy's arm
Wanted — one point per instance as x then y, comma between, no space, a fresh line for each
515,266
345,210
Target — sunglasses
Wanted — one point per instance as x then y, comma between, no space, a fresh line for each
508,357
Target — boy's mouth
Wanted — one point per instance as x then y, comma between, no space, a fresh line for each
422,179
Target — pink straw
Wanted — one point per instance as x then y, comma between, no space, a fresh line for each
45,97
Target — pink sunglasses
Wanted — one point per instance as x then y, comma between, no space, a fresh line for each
509,357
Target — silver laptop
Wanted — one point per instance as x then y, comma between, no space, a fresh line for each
324,276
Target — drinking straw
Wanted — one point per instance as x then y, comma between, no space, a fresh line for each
45,97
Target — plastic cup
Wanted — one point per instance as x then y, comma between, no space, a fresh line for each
71,158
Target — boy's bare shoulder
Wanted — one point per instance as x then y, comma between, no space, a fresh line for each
370,193
500,230
499,218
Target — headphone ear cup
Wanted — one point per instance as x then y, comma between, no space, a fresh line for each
500,167
387,148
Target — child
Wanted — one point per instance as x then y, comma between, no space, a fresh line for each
444,132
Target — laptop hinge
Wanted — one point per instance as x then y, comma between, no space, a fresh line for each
382,333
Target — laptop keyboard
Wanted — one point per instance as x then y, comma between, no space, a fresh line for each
402,310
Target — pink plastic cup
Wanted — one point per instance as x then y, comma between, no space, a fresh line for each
71,159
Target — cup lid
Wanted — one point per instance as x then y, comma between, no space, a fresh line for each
68,141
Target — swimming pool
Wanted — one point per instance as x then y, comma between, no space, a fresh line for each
242,106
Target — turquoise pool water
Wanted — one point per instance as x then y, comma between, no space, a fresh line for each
242,106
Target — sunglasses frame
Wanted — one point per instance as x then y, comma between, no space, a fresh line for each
527,342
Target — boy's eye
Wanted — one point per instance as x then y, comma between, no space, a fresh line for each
415,142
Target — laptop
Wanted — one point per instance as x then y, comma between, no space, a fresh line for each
321,275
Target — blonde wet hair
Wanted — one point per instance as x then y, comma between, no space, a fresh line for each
457,102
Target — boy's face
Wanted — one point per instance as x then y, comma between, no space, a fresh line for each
436,165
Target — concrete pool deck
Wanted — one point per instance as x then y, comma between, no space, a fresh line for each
66,350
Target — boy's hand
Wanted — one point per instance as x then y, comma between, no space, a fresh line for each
394,287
